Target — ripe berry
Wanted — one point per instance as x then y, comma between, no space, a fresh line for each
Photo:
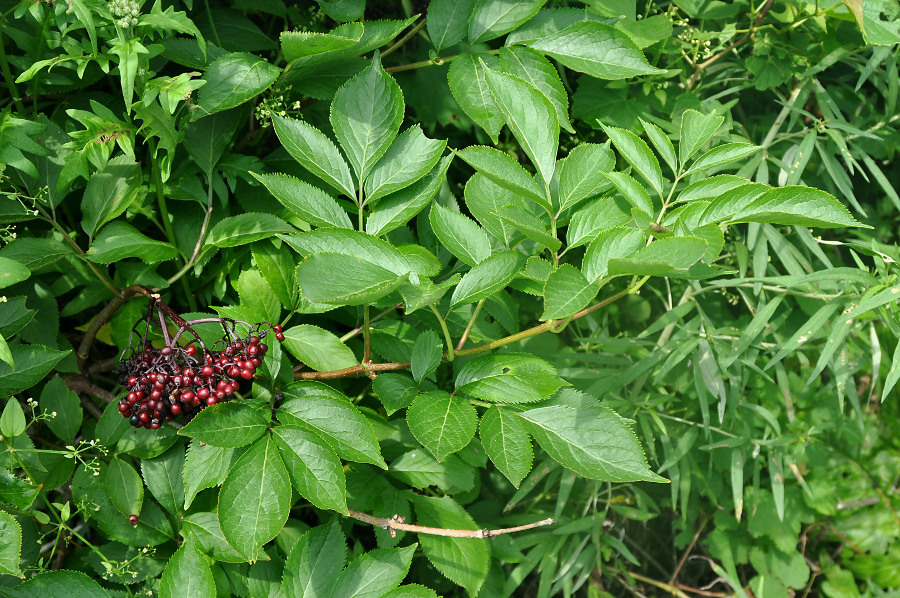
132,520
246,374
207,370
191,349
135,421
276,328
279,336
144,417
175,409
124,407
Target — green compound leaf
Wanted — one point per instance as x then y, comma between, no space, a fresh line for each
313,466
366,115
531,118
33,362
460,235
319,349
119,240
467,84
610,243
331,415
125,487
11,549
233,79
591,441
255,498
315,152
448,21
566,292
229,425
374,573
800,206
109,192
306,201
396,209
361,282
427,354
464,561
663,256
315,562
444,424
492,18
489,277
509,378
722,155
581,173
188,573
205,466
696,129
410,157
531,67
506,442
636,151
503,170
162,475
246,228
597,49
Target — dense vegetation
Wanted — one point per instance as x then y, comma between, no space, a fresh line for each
468,297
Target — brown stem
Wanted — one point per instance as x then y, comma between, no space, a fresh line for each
687,552
103,317
396,523
547,326
703,65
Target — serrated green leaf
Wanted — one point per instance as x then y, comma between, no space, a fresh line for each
5,354
464,561
448,21
661,257
395,391
35,253
492,18
16,491
489,277
33,362
233,79
61,583
636,151
300,44
255,498
721,155
119,240
332,416
206,140
352,243
374,573
427,353
566,292
205,529
410,157
531,67
124,485
246,228
530,117
467,85
581,173
530,225
731,202
485,199
800,206
57,398
591,441
315,152
661,142
315,562
462,237
696,129
313,466
319,349
11,549
509,378
12,272
632,191
710,188
609,244
597,49
361,282
442,423
205,466
587,222
162,475
503,170
396,209
366,115
228,425
109,192
506,443
419,469
306,201
12,421
187,573
411,591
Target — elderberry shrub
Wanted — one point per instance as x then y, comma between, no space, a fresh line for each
181,379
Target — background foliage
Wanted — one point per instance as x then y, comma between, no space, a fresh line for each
557,236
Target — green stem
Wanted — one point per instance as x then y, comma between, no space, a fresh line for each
212,23
7,75
447,339
367,338
471,323
194,256
412,33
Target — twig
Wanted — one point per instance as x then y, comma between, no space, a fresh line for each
548,326
201,238
396,523
687,552
706,63
462,341
103,317
659,584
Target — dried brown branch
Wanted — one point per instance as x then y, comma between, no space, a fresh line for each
103,317
396,523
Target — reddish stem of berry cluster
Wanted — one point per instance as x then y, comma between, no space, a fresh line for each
182,379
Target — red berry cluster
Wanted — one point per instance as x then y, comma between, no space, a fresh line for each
180,380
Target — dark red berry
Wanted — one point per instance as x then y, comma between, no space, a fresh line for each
165,351
276,328
191,349
246,374
175,409
144,417
207,370
133,520
279,336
